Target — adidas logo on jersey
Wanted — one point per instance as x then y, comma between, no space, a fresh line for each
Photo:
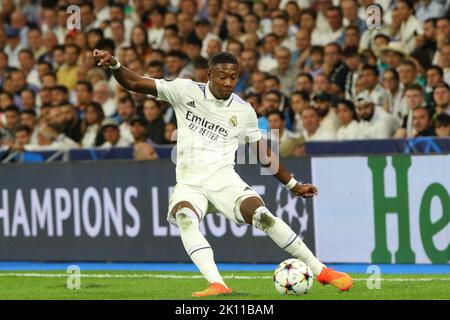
191,104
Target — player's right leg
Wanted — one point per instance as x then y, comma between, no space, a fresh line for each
255,213
187,218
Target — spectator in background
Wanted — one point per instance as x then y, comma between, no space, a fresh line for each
442,125
410,24
29,119
103,96
143,150
407,72
170,133
68,73
271,101
28,98
156,69
335,68
12,120
71,122
267,61
283,72
423,123
391,84
373,88
59,95
126,111
83,95
329,119
286,139
91,126
22,137
111,133
348,130
414,99
374,122
174,65
156,124
434,76
299,102
312,129
441,97
393,54
51,138
304,82
201,67
13,46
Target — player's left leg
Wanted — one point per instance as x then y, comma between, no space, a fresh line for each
255,213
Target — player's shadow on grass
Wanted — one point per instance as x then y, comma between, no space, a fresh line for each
83,286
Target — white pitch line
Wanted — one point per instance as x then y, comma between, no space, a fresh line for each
174,276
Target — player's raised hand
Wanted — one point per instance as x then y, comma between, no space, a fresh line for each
104,58
305,190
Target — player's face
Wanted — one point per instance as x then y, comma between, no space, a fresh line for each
223,78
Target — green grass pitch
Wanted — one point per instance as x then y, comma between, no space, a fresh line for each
179,286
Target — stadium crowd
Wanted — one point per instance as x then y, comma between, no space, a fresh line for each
312,69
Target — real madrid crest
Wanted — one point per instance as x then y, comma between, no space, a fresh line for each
233,121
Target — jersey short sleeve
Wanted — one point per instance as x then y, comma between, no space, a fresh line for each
170,90
252,132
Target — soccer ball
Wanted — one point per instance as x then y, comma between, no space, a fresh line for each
292,276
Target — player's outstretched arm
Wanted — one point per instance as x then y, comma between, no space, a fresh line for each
272,163
126,78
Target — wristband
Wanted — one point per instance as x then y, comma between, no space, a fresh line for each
292,183
116,66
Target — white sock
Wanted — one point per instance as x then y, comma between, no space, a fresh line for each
285,238
196,245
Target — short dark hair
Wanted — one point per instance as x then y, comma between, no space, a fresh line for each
442,119
394,72
200,63
350,52
307,75
275,92
61,88
372,68
87,84
408,62
277,112
349,105
12,108
30,112
310,12
125,99
302,93
414,86
437,68
427,110
222,57
409,3
176,53
156,64
23,127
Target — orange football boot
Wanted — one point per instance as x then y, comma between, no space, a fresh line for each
340,280
214,289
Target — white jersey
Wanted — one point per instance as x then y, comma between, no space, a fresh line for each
209,130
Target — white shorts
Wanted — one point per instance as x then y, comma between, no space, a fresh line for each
223,195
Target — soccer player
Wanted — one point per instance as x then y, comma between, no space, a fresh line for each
211,121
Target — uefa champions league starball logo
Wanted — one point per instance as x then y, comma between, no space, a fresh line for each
292,210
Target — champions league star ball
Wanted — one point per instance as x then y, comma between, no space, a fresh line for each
292,276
